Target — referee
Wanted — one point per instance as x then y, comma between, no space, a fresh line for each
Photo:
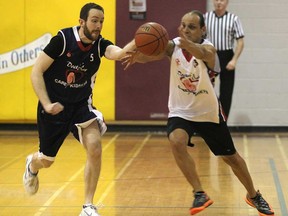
223,29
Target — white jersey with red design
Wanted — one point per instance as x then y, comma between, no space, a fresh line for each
191,94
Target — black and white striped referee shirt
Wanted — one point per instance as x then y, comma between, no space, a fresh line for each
222,31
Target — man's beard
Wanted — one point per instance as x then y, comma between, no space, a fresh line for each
88,34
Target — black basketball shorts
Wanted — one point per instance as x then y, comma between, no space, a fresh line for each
53,129
216,136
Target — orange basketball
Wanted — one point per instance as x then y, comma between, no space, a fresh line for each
151,38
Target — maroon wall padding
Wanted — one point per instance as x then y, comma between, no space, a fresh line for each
142,90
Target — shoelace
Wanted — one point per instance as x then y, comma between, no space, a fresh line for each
91,206
201,197
260,202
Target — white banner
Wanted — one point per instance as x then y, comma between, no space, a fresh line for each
24,56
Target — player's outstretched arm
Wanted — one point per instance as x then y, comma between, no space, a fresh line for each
116,53
137,57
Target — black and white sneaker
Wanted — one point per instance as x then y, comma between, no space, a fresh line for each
30,180
89,210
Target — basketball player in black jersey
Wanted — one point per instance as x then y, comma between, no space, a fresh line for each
63,78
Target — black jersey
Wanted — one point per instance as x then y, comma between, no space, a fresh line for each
71,77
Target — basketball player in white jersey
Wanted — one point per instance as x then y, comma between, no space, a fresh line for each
194,108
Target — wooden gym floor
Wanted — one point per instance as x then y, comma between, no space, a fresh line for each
140,178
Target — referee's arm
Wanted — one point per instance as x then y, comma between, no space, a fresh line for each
238,50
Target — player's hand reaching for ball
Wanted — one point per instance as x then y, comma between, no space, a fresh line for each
53,108
138,57
130,58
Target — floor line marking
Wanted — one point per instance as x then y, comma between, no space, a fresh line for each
279,190
281,150
59,191
110,186
5,165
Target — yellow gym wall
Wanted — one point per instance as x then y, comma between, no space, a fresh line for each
24,23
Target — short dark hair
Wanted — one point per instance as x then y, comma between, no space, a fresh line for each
201,17
87,7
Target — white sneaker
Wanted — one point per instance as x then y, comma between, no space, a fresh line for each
30,180
89,210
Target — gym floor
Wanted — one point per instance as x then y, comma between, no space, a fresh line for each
139,176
